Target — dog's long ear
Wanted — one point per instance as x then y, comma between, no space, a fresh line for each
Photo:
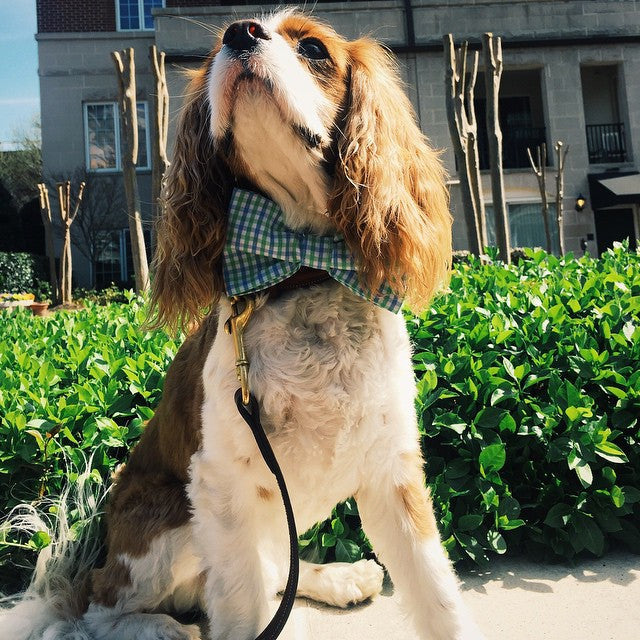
192,226
390,198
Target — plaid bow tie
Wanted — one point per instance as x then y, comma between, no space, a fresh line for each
261,251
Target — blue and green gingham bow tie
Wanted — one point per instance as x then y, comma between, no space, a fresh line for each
261,251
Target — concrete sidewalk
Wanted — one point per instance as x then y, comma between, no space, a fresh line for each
511,600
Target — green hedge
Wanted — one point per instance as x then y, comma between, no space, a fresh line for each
19,272
529,397
529,394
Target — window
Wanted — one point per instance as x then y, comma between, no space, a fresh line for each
136,14
103,137
115,262
521,117
525,225
108,263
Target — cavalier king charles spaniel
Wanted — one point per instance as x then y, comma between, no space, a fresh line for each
320,126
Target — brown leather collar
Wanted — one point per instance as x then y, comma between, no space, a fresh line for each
304,277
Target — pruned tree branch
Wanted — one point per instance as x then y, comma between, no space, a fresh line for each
128,114
561,156
492,48
463,131
47,221
539,169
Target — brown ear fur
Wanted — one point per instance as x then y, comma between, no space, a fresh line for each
390,198
191,229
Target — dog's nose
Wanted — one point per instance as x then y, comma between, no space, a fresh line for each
245,35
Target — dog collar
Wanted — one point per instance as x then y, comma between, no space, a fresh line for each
261,251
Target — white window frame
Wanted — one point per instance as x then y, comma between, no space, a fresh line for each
140,14
116,120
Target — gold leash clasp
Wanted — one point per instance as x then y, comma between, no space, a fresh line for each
235,326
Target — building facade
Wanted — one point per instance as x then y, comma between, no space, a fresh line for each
571,74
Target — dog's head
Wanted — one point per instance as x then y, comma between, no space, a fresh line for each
323,127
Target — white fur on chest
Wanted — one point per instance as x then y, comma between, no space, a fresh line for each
328,368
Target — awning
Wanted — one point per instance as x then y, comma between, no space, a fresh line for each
611,189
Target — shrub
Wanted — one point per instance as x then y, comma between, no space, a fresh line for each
528,401
19,272
108,295
528,397
72,385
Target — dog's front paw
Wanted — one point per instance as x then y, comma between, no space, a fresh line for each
342,583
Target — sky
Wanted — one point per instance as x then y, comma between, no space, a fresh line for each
19,85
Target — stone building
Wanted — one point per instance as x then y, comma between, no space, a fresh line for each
571,74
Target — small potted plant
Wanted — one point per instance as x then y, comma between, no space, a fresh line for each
39,308
42,299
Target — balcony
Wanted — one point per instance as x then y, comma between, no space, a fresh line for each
515,141
606,143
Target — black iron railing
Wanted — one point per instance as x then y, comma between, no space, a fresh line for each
515,141
606,143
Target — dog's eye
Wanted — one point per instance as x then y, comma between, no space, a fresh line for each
313,49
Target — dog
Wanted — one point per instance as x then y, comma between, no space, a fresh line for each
286,111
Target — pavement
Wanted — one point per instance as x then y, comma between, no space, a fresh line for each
512,599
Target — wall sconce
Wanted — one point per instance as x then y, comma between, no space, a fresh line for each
580,203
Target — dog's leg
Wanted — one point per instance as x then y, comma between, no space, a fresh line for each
227,540
340,583
398,517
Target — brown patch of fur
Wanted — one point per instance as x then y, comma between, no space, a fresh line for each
264,494
107,582
192,226
149,494
416,499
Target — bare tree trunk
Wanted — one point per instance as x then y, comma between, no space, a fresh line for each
493,74
129,122
159,161
67,218
540,172
45,214
464,136
561,156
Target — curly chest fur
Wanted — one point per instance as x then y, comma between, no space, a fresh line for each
321,359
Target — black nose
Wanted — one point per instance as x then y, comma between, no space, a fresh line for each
244,36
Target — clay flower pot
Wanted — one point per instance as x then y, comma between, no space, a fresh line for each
38,308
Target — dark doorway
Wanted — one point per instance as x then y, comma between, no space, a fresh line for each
614,225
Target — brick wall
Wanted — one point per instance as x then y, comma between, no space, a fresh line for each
56,16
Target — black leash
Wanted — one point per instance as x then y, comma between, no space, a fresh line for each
251,414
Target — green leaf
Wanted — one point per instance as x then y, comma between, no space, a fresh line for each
328,540
469,522
584,473
40,540
587,533
558,515
611,452
492,458
337,527
609,475
347,551
508,424
617,496
497,542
